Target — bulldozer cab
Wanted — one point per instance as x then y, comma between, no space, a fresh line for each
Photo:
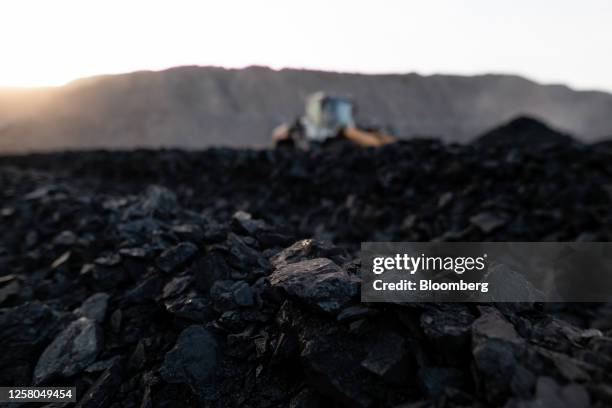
325,115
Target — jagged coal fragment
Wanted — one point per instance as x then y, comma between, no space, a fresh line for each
193,359
70,352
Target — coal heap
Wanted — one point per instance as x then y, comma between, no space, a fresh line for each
526,131
231,278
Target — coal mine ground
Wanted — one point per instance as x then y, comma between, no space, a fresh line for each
230,278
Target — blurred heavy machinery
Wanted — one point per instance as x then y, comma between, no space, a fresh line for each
327,118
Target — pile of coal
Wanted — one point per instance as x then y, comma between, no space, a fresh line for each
524,131
170,278
419,190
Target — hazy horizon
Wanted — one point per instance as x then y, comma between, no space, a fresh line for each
550,42
510,74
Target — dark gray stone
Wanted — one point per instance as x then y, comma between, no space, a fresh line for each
177,256
193,359
102,392
243,295
243,256
497,352
65,238
24,332
209,269
70,352
159,201
176,286
448,328
493,325
94,307
436,380
102,365
10,290
244,223
319,283
137,253
189,232
389,359
222,296
550,394
488,221
304,250
189,306
147,289
357,312
307,398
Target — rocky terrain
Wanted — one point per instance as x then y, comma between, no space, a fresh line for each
197,107
230,277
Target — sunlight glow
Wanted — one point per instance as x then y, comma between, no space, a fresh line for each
561,41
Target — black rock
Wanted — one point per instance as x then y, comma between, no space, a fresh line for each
174,258
105,273
448,328
189,232
352,313
550,394
319,283
136,253
10,289
525,132
333,364
176,287
304,250
210,269
158,201
307,398
193,359
243,257
102,393
24,332
244,223
390,359
493,325
102,365
65,239
70,352
189,306
488,222
222,295
147,289
94,307
436,380
497,351
243,295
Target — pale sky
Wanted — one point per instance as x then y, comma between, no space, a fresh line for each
50,42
